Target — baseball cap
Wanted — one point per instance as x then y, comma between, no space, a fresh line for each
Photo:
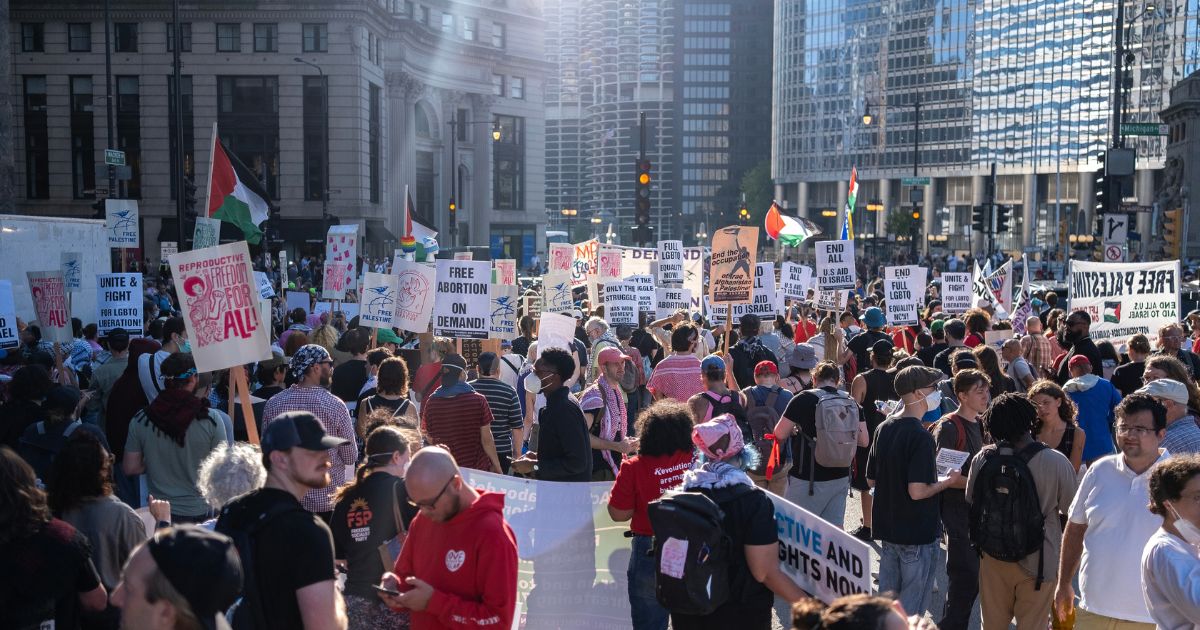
203,566
935,328
1078,360
712,362
386,335
915,377
504,343
576,313
292,429
804,357
274,362
455,361
719,438
873,318
117,334
766,367
1166,388
883,346
611,355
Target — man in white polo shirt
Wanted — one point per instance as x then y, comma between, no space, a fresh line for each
1109,525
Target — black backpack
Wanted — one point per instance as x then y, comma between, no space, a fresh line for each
1006,515
761,420
243,526
692,551
746,355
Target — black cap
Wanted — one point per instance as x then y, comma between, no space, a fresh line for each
454,361
882,346
301,429
117,334
62,398
203,566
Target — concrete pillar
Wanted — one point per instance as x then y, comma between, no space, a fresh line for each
400,159
879,220
1144,188
1087,204
800,203
1029,211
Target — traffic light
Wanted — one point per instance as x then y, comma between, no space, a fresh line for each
743,216
1003,216
916,215
979,219
98,206
642,194
1101,186
1173,233
189,198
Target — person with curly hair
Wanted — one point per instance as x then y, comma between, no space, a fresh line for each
1170,561
978,322
227,473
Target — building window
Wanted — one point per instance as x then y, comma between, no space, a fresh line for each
229,38
513,241
410,9
79,37
508,166
83,141
470,29
448,23
516,87
37,150
189,135
33,37
373,149
498,84
266,38
499,35
129,133
126,37
424,15
314,137
316,38
248,116
186,29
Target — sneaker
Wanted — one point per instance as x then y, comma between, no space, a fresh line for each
862,533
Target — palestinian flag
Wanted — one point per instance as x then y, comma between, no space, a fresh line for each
234,194
789,231
851,201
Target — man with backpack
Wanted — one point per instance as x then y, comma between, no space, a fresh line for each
286,551
765,404
1017,489
718,397
827,421
749,351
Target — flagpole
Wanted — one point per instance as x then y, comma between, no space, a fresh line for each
212,152
404,214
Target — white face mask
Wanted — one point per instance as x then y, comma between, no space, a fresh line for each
933,400
1186,528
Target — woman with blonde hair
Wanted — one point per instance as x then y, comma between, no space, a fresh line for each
1056,425
326,336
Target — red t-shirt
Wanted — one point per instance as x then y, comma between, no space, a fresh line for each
644,479
805,329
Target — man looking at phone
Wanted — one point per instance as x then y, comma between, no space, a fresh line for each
458,567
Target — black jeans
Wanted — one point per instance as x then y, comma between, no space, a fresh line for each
962,563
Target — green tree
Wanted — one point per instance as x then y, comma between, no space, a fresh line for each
900,222
759,191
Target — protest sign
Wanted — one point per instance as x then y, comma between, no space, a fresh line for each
715,312
531,304
414,296
608,262
903,288
555,330
506,271
670,262
219,299
621,303
377,299
463,255
333,286
1124,299
121,221
731,270
461,308
207,233
49,294
561,257
956,292
668,301
266,290
583,261
72,270
298,299
502,321
8,316
694,267
763,302
796,279
166,249
835,264
644,288
350,310
557,289
341,250
819,557
119,303
834,301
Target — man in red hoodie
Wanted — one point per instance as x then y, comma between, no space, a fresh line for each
458,568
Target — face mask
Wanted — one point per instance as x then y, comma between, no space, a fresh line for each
933,400
1189,531
186,346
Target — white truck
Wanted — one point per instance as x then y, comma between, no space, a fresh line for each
37,244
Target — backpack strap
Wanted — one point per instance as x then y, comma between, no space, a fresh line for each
960,430
510,365
153,376
75,424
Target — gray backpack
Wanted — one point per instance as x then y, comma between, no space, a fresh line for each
836,418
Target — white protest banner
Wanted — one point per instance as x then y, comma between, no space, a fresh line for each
298,299
119,303
166,249
555,330
266,290
835,264
461,308
207,233
731,270
670,262
834,301
583,261
341,250
796,280
669,301
621,303
557,290
333,286
608,263
121,221
377,299
1124,299
502,320
72,269
506,271
8,315
644,287
49,294
956,292
561,257
414,296
903,288
763,303
219,299
463,255
819,557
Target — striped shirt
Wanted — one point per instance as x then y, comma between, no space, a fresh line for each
332,413
454,421
506,411
677,377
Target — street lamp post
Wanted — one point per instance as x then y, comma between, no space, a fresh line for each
914,196
454,122
324,135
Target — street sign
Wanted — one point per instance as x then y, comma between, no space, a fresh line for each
1114,253
1133,207
113,157
1115,228
1143,129
1032,249
914,181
